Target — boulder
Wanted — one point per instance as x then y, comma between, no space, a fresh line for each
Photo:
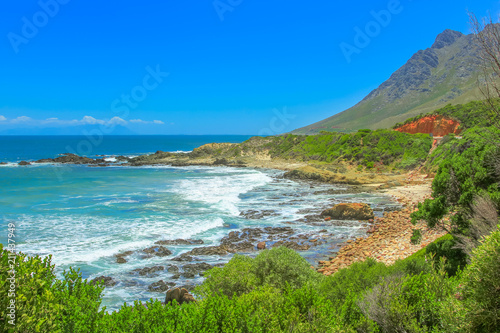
159,251
148,270
24,163
180,295
191,270
349,211
108,281
183,257
179,242
160,286
261,246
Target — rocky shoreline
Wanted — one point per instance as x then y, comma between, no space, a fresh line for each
388,237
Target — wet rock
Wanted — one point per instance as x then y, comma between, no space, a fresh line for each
349,211
183,257
257,215
195,269
24,163
122,158
220,250
160,286
180,295
173,269
180,242
176,276
108,281
292,245
261,246
159,251
120,257
71,159
148,270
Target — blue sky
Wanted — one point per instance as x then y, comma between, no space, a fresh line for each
204,67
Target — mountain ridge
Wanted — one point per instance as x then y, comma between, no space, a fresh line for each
444,73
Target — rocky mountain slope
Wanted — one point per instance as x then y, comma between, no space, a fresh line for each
445,73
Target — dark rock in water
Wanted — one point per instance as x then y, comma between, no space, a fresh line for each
188,275
148,270
245,246
256,214
159,251
195,269
176,276
292,245
108,281
278,230
180,242
24,163
181,296
120,257
122,158
210,251
349,211
183,257
72,159
121,260
160,286
173,269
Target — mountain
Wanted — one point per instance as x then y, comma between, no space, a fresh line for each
445,73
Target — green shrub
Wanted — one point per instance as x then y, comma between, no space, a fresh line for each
481,286
445,247
281,266
466,171
44,303
408,303
278,267
234,278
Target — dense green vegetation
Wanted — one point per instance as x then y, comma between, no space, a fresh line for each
467,168
475,113
276,292
366,147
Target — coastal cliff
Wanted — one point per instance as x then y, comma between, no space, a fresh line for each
437,125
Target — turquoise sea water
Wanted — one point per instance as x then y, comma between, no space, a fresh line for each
19,148
84,215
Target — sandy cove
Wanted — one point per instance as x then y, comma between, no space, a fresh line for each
389,238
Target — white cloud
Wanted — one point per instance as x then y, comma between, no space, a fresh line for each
91,121
140,121
21,119
117,121
2,118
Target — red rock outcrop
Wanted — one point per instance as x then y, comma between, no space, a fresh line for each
436,125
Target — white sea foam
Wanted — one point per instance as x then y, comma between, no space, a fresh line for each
221,192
